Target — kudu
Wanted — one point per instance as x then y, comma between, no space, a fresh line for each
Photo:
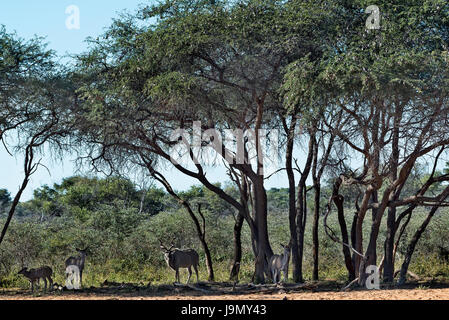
177,258
78,261
279,263
34,275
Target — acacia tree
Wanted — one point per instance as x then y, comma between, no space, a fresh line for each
304,101
391,87
219,64
32,96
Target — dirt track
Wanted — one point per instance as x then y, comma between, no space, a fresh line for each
429,294
420,293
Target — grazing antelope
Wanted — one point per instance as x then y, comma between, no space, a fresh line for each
279,263
177,258
34,275
78,261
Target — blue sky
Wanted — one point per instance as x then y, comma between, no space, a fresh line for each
47,18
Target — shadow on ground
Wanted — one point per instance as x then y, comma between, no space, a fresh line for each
204,289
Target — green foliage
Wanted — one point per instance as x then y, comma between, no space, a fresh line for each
124,242
201,195
278,199
5,199
80,196
20,58
404,59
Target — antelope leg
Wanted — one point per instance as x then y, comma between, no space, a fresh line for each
190,274
196,271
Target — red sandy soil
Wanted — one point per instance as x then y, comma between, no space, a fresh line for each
383,294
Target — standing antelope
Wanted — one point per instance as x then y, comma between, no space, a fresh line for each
177,258
279,263
78,261
36,274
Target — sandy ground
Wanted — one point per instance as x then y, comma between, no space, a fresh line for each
393,294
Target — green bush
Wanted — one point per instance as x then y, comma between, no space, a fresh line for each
124,244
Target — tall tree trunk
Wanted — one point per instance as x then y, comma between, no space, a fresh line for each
292,221
316,176
388,266
374,199
370,256
264,251
301,227
359,232
237,247
209,266
316,217
290,131
354,240
371,252
301,211
202,233
338,200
